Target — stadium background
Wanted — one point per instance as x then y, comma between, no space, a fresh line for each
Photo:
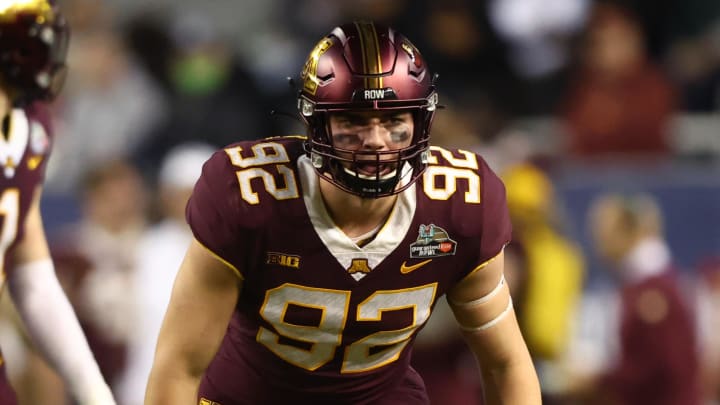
145,78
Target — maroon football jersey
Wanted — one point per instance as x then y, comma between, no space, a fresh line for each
320,318
24,151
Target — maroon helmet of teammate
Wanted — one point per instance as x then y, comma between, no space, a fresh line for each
363,66
33,46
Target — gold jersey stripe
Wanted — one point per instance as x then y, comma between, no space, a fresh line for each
225,262
372,63
483,264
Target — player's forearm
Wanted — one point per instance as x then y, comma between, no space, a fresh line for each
168,385
509,376
513,384
178,367
53,326
176,373
189,338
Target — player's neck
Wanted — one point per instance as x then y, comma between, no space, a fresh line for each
354,215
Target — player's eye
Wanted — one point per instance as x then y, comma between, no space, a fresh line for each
346,140
350,124
400,135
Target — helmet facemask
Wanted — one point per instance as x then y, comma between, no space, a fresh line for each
335,83
390,171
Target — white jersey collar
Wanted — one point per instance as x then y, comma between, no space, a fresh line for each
341,246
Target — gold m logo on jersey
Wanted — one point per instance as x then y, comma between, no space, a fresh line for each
359,266
282,259
10,167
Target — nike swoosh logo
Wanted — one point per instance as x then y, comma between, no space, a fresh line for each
405,269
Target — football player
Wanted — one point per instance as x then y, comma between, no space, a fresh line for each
317,259
33,46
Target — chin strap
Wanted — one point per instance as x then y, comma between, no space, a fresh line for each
369,188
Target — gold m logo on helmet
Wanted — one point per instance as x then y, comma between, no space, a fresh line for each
41,8
309,72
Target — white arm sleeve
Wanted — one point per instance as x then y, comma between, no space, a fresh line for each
55,330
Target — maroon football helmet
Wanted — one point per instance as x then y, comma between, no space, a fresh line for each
33,46
363,66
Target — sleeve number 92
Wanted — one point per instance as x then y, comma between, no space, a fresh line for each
460,168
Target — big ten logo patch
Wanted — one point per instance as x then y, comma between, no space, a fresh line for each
283,259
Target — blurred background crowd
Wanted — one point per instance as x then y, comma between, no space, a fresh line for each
602,118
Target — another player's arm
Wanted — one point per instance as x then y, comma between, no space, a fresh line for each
203,299
483,308
47,314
